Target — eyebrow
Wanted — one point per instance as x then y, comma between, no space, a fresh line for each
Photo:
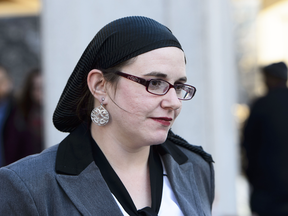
162,75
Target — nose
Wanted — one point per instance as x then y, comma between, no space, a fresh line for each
170,100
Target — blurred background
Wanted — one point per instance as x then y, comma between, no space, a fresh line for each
225,42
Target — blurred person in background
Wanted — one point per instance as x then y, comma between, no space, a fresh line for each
24,128
265,143
6,107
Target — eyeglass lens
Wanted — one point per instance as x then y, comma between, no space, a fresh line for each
162,87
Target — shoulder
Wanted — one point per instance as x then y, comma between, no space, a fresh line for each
272,96
201,162
257,102
28,182
191,151
34,166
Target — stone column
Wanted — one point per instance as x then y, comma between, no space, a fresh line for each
221,93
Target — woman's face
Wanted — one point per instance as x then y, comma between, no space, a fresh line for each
139,116
5,84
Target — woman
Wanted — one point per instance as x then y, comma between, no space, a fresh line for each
23,133
130,82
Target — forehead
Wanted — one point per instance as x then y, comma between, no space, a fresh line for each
168,60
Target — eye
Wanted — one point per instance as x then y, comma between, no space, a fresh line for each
155,84
178,87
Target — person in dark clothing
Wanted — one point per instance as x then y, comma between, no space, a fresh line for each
265,143
23,132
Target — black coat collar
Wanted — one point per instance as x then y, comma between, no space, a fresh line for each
75,153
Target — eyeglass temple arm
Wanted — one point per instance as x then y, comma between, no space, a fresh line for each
133,78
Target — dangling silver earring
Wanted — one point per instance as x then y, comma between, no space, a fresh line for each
100,115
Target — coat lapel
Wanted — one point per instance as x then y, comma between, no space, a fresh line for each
83,183
80,178
182,180
89,192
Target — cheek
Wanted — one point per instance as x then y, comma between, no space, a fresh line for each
177,112
133,98
140,105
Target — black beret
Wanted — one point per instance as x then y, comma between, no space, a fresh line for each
115,43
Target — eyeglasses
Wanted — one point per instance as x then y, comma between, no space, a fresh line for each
161,87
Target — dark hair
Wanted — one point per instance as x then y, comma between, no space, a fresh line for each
86,103
25,99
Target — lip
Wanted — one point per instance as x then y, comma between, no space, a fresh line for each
163,120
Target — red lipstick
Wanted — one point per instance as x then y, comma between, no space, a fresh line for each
163,120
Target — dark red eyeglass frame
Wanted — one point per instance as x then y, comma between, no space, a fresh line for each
146,83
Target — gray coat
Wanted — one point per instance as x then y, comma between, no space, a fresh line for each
64,180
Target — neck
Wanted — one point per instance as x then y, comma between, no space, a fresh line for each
128,161
121,154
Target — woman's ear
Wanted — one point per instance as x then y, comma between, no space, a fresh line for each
96,84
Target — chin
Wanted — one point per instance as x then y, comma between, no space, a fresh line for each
159,138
